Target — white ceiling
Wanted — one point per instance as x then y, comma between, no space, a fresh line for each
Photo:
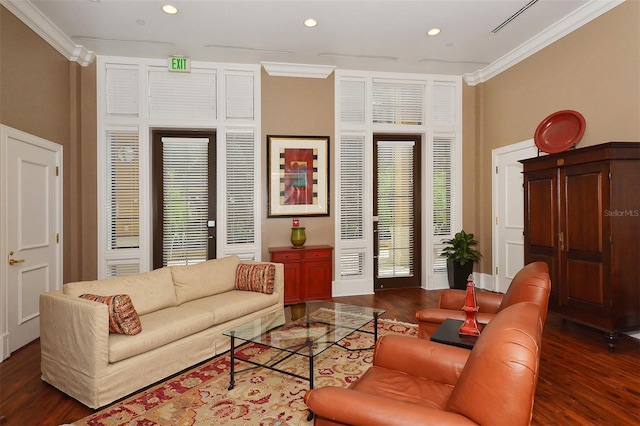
351,34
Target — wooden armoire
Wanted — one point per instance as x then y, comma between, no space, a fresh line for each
582,217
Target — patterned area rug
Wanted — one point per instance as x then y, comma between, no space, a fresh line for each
260,396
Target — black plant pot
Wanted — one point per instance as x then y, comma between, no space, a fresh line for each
458,274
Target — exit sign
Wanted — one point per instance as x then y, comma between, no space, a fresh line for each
179,64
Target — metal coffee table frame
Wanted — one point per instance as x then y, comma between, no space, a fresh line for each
309,335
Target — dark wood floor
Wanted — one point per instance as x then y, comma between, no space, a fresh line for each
580,383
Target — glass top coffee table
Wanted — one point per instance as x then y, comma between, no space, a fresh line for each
306,329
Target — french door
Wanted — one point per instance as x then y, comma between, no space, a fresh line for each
184,182
396,211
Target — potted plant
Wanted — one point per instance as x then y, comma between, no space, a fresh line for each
460,256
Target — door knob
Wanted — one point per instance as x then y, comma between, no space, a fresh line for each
14,261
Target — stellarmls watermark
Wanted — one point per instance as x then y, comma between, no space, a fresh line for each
621,213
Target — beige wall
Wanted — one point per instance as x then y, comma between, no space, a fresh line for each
44,94
594,70
297,107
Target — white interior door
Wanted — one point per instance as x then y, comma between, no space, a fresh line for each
508,211
32,197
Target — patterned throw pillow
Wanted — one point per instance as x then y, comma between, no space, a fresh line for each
123,318
255,277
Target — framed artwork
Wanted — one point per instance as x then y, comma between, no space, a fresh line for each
298,175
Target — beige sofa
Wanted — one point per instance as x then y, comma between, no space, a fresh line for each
183,311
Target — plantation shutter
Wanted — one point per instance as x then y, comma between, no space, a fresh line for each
352,188
123,183
182,95
395,208
352,101
352,208
122,90
443,197
398,102
239,96
185,172
241,182
444,105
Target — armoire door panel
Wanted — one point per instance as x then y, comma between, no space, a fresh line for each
585,282
583,211
541,224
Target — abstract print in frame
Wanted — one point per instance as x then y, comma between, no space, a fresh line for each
298,175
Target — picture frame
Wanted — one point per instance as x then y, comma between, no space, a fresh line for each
298,175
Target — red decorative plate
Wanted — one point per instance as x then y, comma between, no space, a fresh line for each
559,131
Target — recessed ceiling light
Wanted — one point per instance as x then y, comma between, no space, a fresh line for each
171,10
310,23
433,31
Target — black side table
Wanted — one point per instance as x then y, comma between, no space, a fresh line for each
447,333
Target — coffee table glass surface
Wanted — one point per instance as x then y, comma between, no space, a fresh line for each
307,328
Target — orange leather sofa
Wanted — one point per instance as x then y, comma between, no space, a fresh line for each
420,382
530,284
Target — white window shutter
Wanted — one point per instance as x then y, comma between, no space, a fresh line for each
122,90
122,267
444,104
123,186
443,197
352,190
240,170
186,96
239,96
352,101
398,102
352,263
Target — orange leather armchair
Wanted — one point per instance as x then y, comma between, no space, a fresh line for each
420,382
530,284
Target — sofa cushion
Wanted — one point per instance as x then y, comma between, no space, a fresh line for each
204,279
123,318
233,304
255,277
158,329
149,291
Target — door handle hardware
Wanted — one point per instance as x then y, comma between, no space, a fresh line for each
14,261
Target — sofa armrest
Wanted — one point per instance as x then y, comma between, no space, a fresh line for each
346,406
74,332
421,358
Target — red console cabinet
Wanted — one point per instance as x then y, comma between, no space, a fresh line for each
307,272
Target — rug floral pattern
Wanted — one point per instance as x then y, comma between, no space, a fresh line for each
261,397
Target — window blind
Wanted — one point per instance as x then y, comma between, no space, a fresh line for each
181,95
444,104
239,96
352,190
122,90
443,197
123,183
241,180
352,264
352,101
398,102
395,208
185,172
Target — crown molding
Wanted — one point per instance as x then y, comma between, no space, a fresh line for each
34,19
572,22
279,69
